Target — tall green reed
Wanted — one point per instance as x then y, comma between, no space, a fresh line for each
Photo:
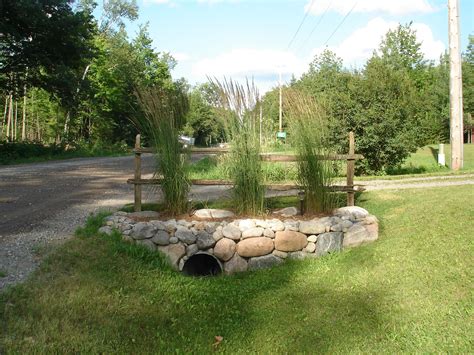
164,111
240,108
308,125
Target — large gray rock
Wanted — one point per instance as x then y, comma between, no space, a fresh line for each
231,231
264,262
173,252
204,240
185,235
355,213
147,243
161,238
142,230
144,215
211,213
252,232
290,241
225,249
191,249
359,234
312,227
255,247
217,235
235,264
328,243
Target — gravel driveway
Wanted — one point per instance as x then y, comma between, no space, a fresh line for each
42,204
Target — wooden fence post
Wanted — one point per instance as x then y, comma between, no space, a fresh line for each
138,175
350,170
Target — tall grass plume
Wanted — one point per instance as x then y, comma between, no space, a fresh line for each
164,111
308,128
240,105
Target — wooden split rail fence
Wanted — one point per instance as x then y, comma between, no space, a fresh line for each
349,188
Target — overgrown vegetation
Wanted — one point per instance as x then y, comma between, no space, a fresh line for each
164,112
239,107
411,291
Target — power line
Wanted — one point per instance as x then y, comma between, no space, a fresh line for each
315,27
301,24
340,23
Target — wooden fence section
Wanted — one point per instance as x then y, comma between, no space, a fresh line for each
349,188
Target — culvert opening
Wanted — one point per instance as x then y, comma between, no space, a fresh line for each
202,264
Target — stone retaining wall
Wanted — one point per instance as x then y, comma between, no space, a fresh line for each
247,244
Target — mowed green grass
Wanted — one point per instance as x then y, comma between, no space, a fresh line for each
411,291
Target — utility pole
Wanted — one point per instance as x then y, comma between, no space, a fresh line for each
280,107
455,87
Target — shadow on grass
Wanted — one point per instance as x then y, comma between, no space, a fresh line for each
103,295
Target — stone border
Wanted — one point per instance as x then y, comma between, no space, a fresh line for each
247,244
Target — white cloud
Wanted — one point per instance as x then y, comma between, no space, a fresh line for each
361,43
392,7
261,64
181,56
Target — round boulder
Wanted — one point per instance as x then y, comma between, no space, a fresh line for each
290,241
255,247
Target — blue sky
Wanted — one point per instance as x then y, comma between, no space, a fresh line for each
243,38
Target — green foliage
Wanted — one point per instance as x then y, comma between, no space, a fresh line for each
164,116
203,121
240,108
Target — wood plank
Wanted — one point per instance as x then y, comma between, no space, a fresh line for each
350,171
137,176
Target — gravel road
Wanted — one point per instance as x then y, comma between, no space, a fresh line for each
42,204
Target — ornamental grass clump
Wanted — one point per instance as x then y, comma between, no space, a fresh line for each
164,111
240,106
308,128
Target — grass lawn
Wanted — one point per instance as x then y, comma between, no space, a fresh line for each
411,291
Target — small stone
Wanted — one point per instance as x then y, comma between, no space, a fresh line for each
354,212
199,226
370,219
246,224
287,212
297,255
211,227
173,252
184,223
292,225
268,233
336,228
143,230
264,262
231,231
147,243
185,235
109,223
211,213
235,264
121,213
124,227
217,235
255,247
290,241
312,238
105,230
280,254
252,232
160,225
191,250
328,243
171,225
310,248
127,232
276,225
204,240
312,227
174,240
161,238
225,249
181,264
261,223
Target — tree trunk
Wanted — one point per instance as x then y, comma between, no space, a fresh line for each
15,126
10,113
4,121
23,121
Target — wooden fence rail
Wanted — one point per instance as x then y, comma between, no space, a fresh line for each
349,188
